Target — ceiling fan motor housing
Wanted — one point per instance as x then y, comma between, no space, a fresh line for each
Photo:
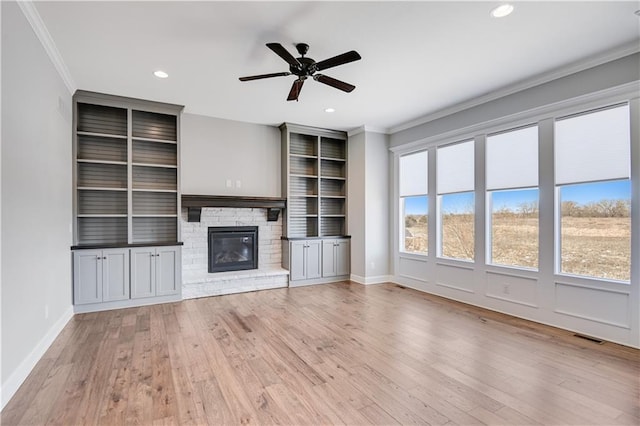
306,68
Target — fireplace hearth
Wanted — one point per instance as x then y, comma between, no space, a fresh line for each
232,248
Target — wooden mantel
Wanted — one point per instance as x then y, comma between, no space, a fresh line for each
195,203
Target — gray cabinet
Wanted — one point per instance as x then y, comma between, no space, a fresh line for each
305,259
155,271
336,256
101,275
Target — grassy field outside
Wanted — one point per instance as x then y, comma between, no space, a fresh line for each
591,246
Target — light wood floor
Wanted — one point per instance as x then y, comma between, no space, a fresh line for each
329,354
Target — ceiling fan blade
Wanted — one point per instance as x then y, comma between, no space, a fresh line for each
284,54
330,81
295,90
345,58
258,77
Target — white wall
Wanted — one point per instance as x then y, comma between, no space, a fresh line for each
377,206
611,74
369,206
214,150
605,309
36,200
356,199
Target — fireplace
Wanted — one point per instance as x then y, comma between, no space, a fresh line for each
233,248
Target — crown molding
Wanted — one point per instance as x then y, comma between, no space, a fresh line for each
31,13
366,129
572,68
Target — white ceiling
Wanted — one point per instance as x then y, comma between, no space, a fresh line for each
417,57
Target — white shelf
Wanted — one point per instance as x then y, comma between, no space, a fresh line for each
86,161
135,138
99,188
162,166
101,135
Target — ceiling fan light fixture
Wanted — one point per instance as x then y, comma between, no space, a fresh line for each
160,74
502,10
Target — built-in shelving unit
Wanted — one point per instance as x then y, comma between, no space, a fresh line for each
314,179
126,202
126,154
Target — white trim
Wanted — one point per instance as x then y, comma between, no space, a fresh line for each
584,64
31,13
16,379
379,279
367,129
610,95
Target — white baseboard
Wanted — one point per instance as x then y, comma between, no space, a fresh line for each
371,280
13,383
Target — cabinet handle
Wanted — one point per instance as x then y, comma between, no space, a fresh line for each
104,258
99,257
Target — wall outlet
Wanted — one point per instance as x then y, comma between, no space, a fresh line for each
506,289
238,184
229,184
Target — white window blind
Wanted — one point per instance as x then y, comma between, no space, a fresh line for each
512,159
593,147
455,168
413,174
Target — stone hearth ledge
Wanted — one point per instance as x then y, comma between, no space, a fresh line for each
235,282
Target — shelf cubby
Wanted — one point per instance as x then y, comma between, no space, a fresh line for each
152,125
102,175
154,153
332,206
334,169
154,229
302,144
102,202
154,178
333,188
332,226
101,119
102,148
333,149
155,203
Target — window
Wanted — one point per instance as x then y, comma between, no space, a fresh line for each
592,170
512,198
456,202
413,203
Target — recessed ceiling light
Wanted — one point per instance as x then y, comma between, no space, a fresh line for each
160,74
502,11
329,110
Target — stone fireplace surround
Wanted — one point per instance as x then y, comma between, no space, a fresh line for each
198,282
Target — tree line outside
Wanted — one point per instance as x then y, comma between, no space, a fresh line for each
595,236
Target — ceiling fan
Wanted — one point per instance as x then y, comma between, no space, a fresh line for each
306,67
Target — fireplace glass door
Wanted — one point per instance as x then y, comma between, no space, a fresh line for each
233,248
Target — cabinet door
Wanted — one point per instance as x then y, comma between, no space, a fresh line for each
143,272
87,276
328,258
313,259
168,263
115,275
343,257
297,263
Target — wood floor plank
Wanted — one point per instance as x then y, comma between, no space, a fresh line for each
339,353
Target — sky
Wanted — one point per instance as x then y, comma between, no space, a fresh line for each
580,193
